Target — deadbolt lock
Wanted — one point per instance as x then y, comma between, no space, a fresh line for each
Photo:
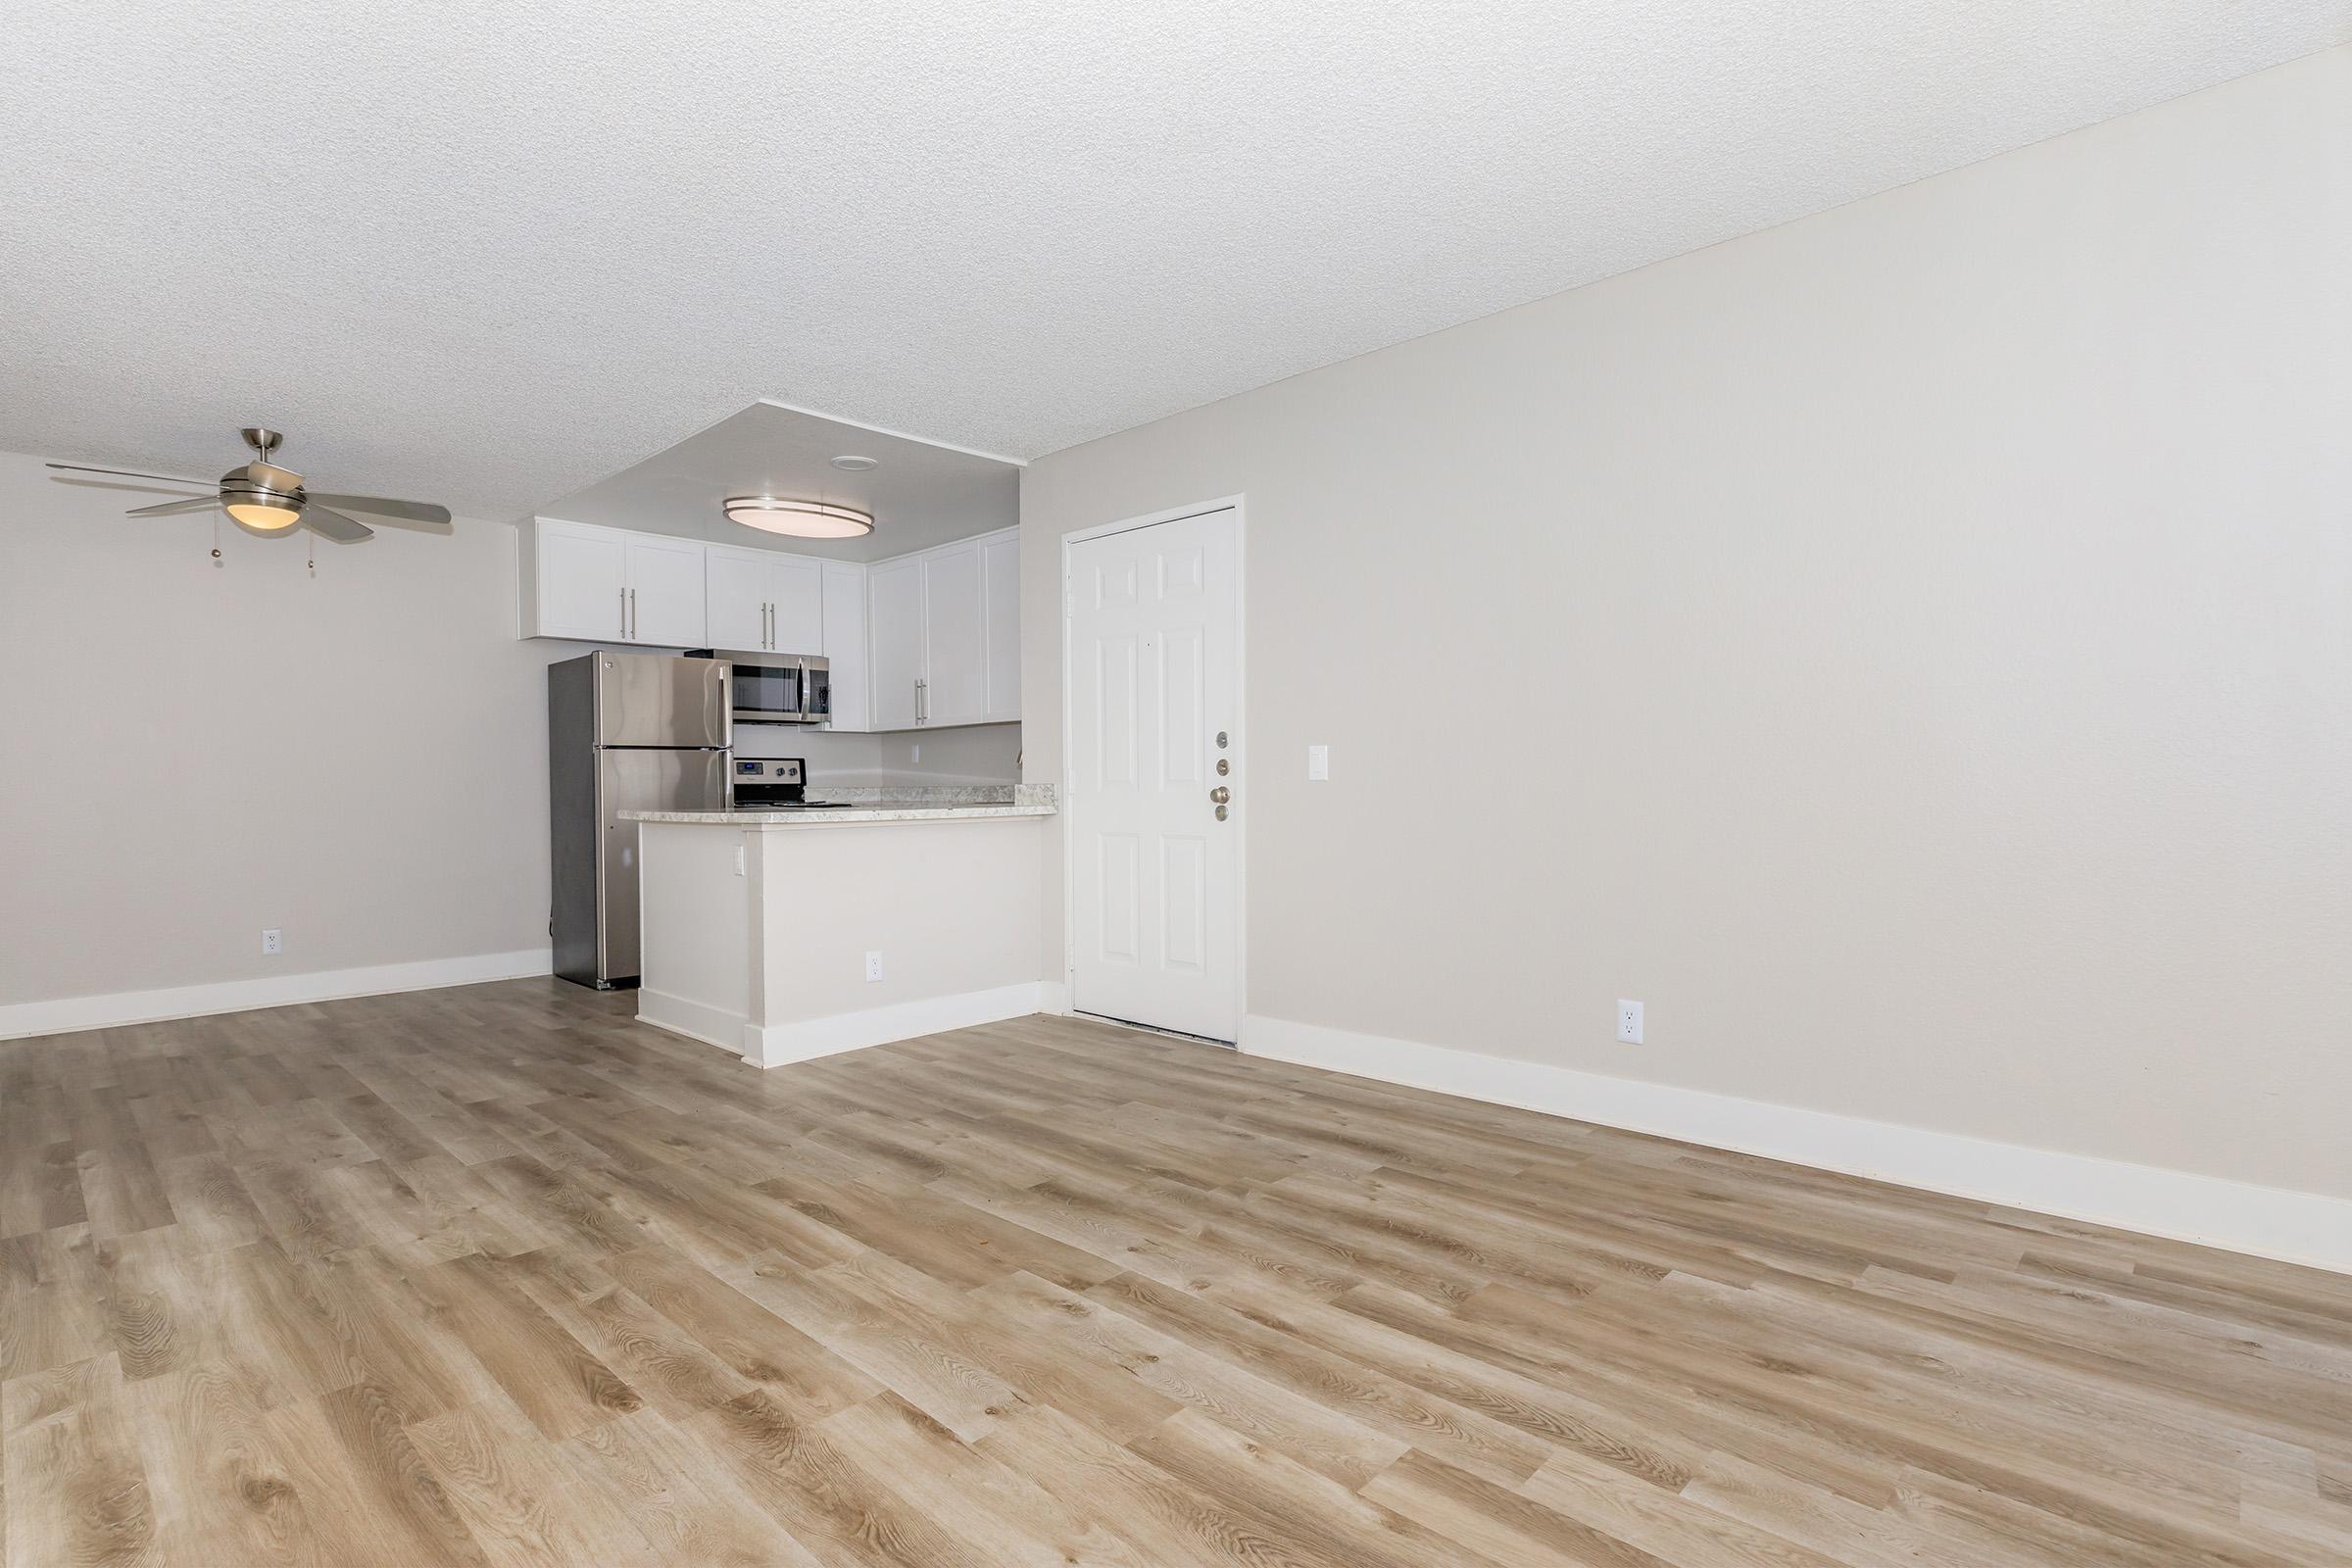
1220,813
1220,740
1223,766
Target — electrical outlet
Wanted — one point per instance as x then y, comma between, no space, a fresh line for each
1628,1021
1318,761
272,941
873,967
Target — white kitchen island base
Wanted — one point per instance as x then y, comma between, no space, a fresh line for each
758,925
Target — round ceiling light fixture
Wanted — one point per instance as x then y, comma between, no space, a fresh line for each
851,462
803,520
262,497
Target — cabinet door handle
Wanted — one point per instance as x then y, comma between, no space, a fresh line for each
625,614
632,615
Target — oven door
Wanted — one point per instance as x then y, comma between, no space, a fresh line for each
770,692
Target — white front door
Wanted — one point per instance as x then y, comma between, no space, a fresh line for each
1154,618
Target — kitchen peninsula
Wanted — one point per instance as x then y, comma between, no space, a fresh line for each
785,935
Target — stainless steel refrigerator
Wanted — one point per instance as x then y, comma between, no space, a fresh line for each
625,732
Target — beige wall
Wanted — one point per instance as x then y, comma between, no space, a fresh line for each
1910,650
193,752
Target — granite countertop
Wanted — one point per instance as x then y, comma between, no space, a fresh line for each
859,806
841,817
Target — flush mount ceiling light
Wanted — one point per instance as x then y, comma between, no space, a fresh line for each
803,520
851,462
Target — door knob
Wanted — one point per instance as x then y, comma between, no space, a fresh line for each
1220,795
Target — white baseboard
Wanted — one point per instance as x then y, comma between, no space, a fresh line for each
2294,1227
780,1044
696,1020
70,1014
1054,997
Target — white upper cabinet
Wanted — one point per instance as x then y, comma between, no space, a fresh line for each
735,592
945,629
894,631
762,601
844,589
666,591
581,579
955,636
608,585
1001,608
928,639
796,591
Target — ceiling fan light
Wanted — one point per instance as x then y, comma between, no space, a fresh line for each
263,515
802,519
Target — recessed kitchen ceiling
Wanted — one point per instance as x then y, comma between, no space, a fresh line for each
493,253
920,494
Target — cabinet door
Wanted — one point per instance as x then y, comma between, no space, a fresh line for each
665,589
796,588
844,643
955,647
581,573
1001,606
895,605
735,592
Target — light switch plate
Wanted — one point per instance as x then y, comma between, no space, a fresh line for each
1318,761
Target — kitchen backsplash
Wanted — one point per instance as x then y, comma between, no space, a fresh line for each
972,754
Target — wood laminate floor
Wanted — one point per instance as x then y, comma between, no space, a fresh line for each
494,1276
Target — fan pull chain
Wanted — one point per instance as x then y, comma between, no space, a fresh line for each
216,560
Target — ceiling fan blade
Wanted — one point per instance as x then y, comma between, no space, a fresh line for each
126,474
333,524
171,508
386,506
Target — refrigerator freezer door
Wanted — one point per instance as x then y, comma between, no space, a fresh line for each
641,780
660,699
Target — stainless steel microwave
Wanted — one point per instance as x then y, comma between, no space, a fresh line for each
775,688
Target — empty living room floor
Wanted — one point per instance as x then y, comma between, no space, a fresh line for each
496,1275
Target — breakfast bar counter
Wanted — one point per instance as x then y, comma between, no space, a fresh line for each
790,933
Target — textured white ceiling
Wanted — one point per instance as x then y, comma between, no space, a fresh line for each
487,253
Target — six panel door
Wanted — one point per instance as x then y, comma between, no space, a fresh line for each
1153,626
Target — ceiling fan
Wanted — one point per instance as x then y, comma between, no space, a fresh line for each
270,499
